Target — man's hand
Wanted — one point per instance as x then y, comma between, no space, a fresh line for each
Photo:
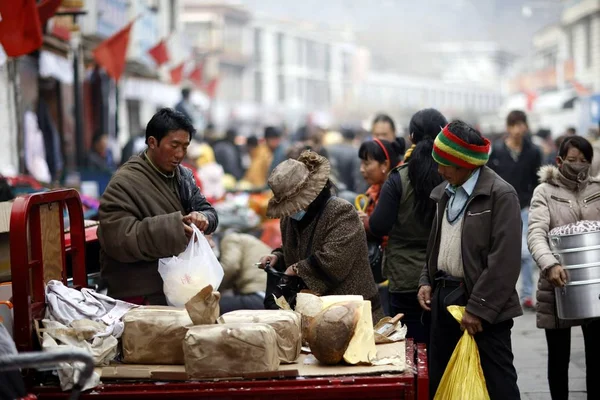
557,276
188,231
271,259
424,297
471,323
198,219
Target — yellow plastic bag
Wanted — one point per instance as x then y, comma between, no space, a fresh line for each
463,378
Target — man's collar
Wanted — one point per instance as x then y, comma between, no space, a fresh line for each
468,186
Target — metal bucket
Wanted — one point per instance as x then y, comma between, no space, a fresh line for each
580,256
578,300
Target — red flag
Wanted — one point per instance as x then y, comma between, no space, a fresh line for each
196,75
531,98
47,9
20,27
580,89
111,53
159,53
177,73
211,88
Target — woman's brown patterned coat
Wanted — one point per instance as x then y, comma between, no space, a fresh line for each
338,263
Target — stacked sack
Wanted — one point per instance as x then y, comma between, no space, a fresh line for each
236,344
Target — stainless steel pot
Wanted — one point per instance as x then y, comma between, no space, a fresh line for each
580,255
578,300
574,241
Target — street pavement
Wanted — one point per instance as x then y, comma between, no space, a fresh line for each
530,350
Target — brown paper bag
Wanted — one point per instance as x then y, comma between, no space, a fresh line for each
203,308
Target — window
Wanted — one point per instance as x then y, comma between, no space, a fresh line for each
258,86
346,65
588,42
257,45
232,36
172,15
327,66
299,52
301,90
281,87
280,49
133,116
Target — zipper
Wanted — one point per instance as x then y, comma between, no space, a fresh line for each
553,197
470,214
437,228
592,198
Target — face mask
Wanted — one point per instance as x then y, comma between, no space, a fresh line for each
575,171
298,216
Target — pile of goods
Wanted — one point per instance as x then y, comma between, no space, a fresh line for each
338,330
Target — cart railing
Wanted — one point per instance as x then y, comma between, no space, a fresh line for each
38,254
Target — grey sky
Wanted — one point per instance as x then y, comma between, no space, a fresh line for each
395,29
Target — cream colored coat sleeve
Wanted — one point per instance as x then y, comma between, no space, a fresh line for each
539,227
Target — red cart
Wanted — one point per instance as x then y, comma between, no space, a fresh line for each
38,255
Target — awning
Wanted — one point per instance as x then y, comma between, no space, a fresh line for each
555,100
55,66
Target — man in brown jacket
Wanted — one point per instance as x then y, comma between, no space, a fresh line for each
473,260
147,209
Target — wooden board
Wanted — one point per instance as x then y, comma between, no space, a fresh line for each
303,367
52,255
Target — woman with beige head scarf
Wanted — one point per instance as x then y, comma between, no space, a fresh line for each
324,242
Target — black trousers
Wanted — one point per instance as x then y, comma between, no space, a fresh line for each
559,356
235,302
416,321
494,345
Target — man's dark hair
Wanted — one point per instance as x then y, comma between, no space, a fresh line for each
385,118
271,132
231,134
185,93
97,137
544,133
515,117
168,120
466,132
571,130
579,143
252,141
348,132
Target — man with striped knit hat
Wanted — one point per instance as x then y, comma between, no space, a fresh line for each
473,260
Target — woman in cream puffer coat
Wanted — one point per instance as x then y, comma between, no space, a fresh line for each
567,194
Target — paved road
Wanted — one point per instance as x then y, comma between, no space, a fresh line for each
529,347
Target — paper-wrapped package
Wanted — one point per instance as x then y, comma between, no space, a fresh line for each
343,331
154,335
230,350
286,324
203,308
309,305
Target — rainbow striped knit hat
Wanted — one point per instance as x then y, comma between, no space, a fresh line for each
451,151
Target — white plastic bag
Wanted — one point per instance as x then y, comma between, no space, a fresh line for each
188,273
